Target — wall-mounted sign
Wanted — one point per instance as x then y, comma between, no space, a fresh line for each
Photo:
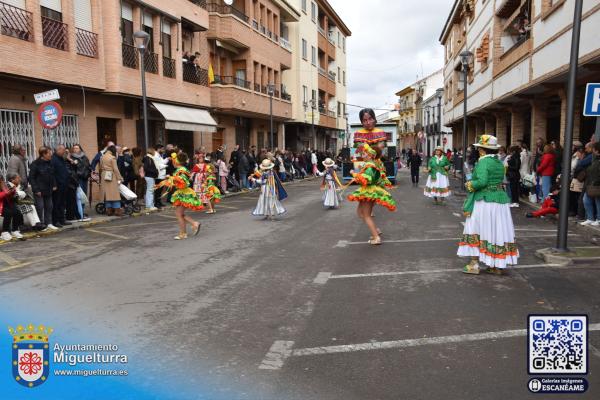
46,96
50,115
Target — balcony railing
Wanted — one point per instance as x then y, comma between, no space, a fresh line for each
322,110
255,24
151,62
232,80
130,56
225,9
286,96
87,43
200,3
16,22
168,67
331,114
285,43
194,74
322,31
322,71
331,75
257,87
55,33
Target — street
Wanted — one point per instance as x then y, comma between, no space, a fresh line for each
302,307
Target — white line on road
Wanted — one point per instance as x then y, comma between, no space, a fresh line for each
8,259
323,277
107,234
278,353
346,243
281,350
457,215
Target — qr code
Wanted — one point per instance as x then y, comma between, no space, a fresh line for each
557,344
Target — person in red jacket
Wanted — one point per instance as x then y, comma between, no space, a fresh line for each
546,169
12,218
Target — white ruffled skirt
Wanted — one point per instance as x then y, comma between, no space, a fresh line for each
438,188
489,234
331,198
268,204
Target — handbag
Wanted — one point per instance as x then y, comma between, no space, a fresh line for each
108,176
82,196
593,191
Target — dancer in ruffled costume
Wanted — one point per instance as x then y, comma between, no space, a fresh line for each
330,185
271,191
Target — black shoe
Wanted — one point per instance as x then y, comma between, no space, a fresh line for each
66,223
58,225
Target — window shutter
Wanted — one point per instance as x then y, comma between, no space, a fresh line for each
148,20
127,11
166,27
51,4
16,3
83,14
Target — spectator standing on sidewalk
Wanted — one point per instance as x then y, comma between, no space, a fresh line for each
59,196
513,175
545,169
17,164
223,174
243,167
576,186
234,159
161,165
110,178
150,175
313,162
525,161
12,218
43,184
591,197
83,170
458,161
138,183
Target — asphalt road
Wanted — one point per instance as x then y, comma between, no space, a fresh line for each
302,307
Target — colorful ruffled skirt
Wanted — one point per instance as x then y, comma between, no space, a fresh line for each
440,187
489,234
187,198
375,194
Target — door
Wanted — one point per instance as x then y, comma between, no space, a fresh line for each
182,139
106,131
217,138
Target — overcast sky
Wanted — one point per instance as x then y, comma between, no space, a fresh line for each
392,42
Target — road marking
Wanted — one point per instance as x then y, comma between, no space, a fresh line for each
75,244
323,277
282,350
457,215
166,216
130,225
229,207
107,234
345,243
278,353
8,259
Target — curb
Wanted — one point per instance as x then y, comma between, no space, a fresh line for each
551,256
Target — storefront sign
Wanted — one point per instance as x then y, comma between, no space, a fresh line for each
50,115
46,96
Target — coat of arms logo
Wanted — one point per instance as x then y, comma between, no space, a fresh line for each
30,354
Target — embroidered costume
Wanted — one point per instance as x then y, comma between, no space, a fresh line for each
372,180
331,184
489,233
437,182
369,137
204,183
183,194
271,191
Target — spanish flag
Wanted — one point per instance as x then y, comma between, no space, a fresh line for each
211,74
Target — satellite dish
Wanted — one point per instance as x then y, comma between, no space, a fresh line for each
228,2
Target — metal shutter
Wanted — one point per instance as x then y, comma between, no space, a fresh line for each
16,3
52,4
148,20
83,14
127,11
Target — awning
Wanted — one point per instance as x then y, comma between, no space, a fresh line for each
180,118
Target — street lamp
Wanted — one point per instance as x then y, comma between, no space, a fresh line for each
439,93
271,91
142,39
313,107
427,128
465,59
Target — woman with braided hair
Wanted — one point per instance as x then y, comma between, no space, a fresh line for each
372,180
183,196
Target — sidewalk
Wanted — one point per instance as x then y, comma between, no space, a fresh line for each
103,219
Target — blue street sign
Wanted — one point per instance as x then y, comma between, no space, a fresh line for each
592,100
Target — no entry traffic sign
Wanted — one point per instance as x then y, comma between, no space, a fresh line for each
50,114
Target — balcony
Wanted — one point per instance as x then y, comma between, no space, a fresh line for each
130,56
16,22
227,10
322,31
322,71
195,75
285,43
331,75
232,80
151,63
86,43
55,34
199,3
169,67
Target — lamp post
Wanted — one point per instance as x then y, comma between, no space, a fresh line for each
465,59
271,91
439,93
313,107
142,39
428,111
563,218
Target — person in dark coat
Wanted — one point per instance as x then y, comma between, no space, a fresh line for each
243,167
234,160
414,161
513,174
43,184
59,197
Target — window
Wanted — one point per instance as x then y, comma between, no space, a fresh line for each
344,43
304,49
339,110
314,97
304,6
344,78
127,23
166,39
148,28
304,94
339,75
313,12
82,10
313,56
339,39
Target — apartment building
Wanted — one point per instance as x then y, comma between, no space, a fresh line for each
517,77
249,51
85,49
318,78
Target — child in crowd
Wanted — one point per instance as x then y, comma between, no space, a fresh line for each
550,204
8,208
